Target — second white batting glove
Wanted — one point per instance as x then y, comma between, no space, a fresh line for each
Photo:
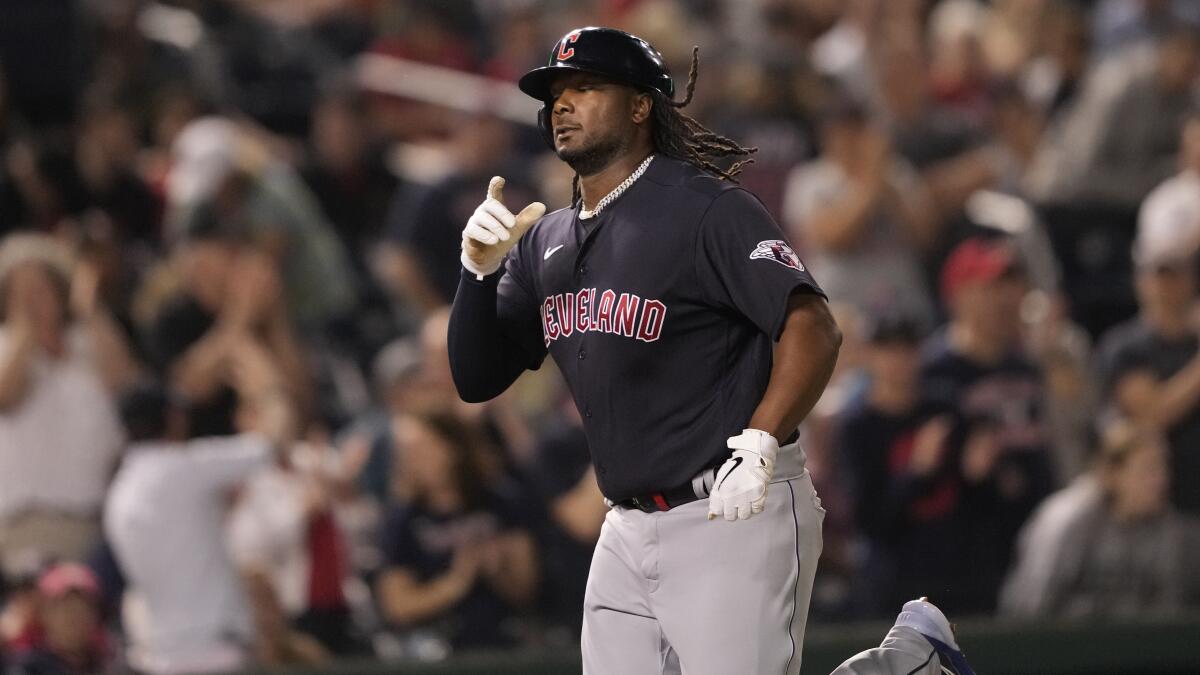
493,230
740,487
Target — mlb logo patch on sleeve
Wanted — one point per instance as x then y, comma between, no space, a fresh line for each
779,251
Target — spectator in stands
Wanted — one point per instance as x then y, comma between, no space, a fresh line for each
1119,139
425,233
18,611
44,185
1118,24
59,351
498,421
222,173
229,292
1109,545
922,132
564,483
106,156
906,489
1053,79
284,531
976,367
1150,365
459,558
395,374
276,643
185,606
70,638
346,172
862,218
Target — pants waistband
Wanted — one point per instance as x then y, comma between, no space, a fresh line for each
789,464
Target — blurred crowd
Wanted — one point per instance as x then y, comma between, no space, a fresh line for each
228,433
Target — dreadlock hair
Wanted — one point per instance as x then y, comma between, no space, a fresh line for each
678,135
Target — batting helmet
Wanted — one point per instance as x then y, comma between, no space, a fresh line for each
609,52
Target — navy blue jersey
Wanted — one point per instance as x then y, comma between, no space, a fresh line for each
661,313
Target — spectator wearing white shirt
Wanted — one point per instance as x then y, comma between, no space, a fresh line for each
60,360
186,607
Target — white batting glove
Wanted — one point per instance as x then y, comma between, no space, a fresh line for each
493,230
740,488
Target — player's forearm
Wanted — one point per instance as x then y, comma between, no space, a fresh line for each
803,363
483,360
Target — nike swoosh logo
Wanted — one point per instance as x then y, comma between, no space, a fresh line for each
551,251
737,461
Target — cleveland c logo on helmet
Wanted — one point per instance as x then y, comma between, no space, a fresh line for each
565,52
779,251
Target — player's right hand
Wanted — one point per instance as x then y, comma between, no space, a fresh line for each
493,230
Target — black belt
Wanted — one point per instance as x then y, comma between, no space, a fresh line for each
681,494
666,499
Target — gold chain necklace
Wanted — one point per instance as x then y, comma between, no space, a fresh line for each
584,214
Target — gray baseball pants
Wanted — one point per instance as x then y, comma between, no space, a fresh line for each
675,593
903,652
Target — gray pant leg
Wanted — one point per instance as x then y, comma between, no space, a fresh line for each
620,634
902,652
675,593
732,597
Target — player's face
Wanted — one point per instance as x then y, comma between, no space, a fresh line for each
593,120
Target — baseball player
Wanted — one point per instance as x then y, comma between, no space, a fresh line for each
921,642
693,341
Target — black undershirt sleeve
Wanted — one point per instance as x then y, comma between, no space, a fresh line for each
495,335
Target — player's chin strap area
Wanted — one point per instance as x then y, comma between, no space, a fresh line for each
789,465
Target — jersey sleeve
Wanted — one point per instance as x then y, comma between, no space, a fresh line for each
518,309
745,264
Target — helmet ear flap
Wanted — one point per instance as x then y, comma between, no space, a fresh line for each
544,125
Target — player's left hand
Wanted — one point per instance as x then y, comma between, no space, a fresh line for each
740,488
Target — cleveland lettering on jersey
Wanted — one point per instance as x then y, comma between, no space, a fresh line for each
624,314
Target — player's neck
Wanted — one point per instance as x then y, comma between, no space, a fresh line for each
593,188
